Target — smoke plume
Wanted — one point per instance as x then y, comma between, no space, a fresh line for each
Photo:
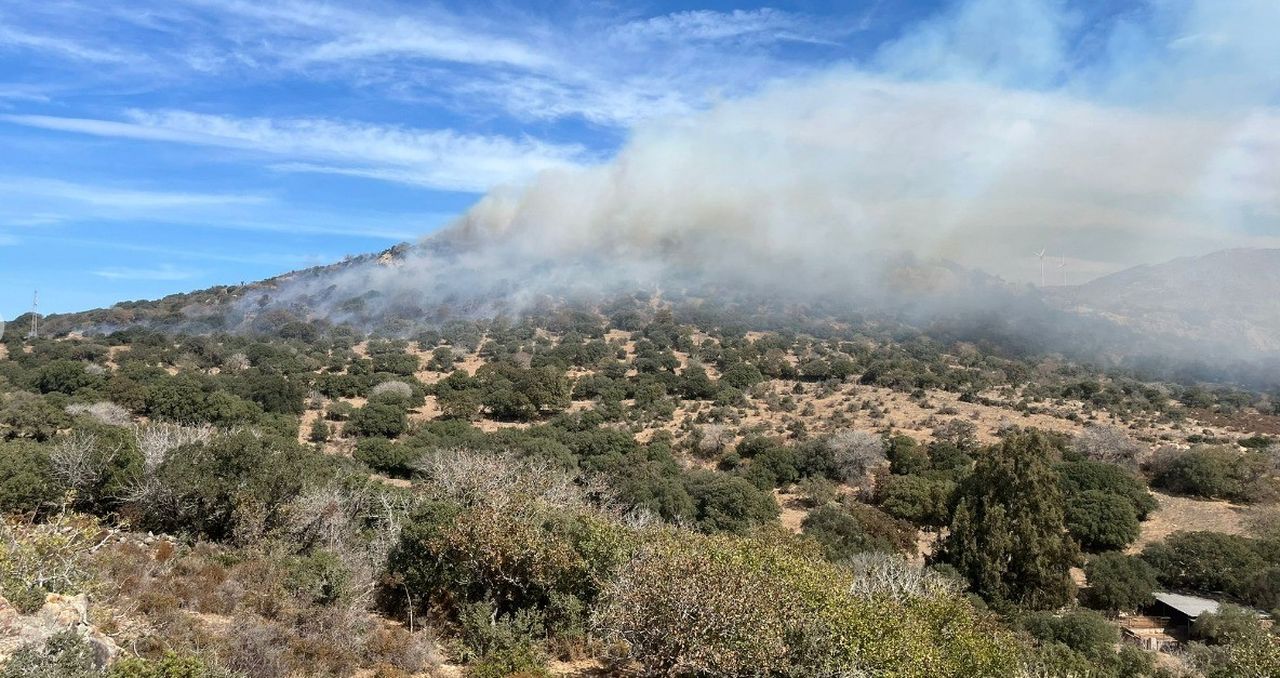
979,136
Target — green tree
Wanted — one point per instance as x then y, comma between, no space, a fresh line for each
1101,521
1118,582
319,433
379,419
26,478
1008,536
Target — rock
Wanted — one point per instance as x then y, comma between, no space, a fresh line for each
59,613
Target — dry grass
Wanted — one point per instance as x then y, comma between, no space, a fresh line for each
1182,513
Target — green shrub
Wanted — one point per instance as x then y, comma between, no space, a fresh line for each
1215,473
1082,476
378,419
727,504
26,478
385,456
846,530
1118,582
1084,631
922,500
906,456
1210,562
1100,521
240,480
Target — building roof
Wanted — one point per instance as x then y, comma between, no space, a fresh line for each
1189,605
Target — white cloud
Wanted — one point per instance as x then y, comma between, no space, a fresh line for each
162,272
17,39
761,25
35,203
105,197
438,158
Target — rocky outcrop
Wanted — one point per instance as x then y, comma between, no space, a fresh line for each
59,613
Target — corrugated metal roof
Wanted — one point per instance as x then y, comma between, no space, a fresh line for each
1189,605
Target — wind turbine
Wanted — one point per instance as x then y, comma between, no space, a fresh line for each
1040,256
1062,266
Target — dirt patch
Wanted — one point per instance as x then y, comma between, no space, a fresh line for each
1184,514
793,513
1245,422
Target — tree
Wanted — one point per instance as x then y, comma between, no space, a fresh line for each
1082,476
1008,535
319,433
1118,582
1101,521
26,478
844,531
379,419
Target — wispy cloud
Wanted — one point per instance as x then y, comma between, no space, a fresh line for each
16,39
609,67
162,272
100,196
39,202
758,25
440,159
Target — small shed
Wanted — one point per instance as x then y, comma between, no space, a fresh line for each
1182,611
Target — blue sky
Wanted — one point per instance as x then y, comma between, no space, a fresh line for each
152,147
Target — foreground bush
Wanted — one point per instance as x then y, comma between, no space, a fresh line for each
787,613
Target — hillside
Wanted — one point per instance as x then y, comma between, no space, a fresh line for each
538,494
1225,302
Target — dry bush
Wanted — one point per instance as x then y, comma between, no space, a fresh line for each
1109,444
392,389
856,453
877,573
156,441
75,462
236,362
105,412
48,557
506,482
358,527
712,439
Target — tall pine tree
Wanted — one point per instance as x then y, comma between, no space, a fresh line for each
1007,533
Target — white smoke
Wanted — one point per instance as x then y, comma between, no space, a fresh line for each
981,135
957,143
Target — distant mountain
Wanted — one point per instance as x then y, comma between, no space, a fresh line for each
1226,304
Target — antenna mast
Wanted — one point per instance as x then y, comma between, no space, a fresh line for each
35,315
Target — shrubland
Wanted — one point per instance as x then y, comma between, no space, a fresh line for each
658,490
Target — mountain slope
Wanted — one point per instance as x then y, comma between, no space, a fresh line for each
1227,302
